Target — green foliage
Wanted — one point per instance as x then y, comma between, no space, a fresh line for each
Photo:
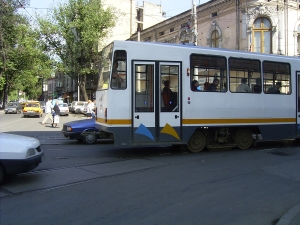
73,33
23,55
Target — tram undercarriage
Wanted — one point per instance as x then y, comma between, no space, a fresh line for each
241,137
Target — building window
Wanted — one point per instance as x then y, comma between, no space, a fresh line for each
148,39
215,39
161,33
172,29
214,14
184,25
262,41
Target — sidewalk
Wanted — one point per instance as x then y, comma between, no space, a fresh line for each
292,217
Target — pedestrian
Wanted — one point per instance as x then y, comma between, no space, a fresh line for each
89,109
48,111
56,115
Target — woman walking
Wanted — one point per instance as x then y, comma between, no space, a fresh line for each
56,115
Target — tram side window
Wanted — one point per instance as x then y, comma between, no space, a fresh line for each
119,76
277,77
245,75
209,71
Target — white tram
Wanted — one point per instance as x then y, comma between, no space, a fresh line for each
135,108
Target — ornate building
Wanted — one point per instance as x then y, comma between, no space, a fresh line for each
271,27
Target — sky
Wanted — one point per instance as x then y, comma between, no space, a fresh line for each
171,7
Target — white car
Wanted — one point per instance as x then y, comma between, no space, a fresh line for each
64,109
18,154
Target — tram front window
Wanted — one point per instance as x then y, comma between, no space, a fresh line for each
119,77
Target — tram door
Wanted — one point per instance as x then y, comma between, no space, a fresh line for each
298,105
156,102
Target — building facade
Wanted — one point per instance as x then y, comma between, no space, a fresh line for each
268,26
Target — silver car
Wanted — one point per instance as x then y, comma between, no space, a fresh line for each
64,109
13,107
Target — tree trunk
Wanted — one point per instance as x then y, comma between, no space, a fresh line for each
82,87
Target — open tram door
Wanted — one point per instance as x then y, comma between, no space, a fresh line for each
298,105
156,111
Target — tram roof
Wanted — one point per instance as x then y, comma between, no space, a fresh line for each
191,46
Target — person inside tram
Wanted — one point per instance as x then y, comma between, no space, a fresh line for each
214,85
257,86
195,86
243,87
116,79
275,89
167,93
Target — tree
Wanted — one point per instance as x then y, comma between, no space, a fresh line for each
74,33
23,56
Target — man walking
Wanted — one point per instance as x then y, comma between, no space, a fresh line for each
48,111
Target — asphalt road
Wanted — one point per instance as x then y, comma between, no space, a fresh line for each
101,184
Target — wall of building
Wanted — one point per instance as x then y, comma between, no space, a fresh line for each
127,23
234,24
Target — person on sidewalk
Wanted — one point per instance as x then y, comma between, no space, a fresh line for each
48,110
56,115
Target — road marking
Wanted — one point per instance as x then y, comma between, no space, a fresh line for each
1,125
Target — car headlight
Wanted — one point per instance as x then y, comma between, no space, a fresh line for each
30,152
69,128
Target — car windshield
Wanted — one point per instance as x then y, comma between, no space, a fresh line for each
63,105
32,105
12,104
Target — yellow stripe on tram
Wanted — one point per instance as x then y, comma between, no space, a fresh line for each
239,121
115,121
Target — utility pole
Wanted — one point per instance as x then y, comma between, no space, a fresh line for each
194,20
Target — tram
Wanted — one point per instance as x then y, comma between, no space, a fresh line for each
176,94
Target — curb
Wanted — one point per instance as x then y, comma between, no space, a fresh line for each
289,215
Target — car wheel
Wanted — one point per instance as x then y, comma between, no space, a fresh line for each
89,139
67,114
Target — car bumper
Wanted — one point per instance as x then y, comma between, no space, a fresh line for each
64,113
14,166
31,113
72,135
10,111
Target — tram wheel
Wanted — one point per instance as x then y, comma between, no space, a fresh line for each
243,138
197,142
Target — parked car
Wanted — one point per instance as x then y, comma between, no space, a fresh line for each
13,107
77,107
18,154
74,129
32,109
69,106
64,109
